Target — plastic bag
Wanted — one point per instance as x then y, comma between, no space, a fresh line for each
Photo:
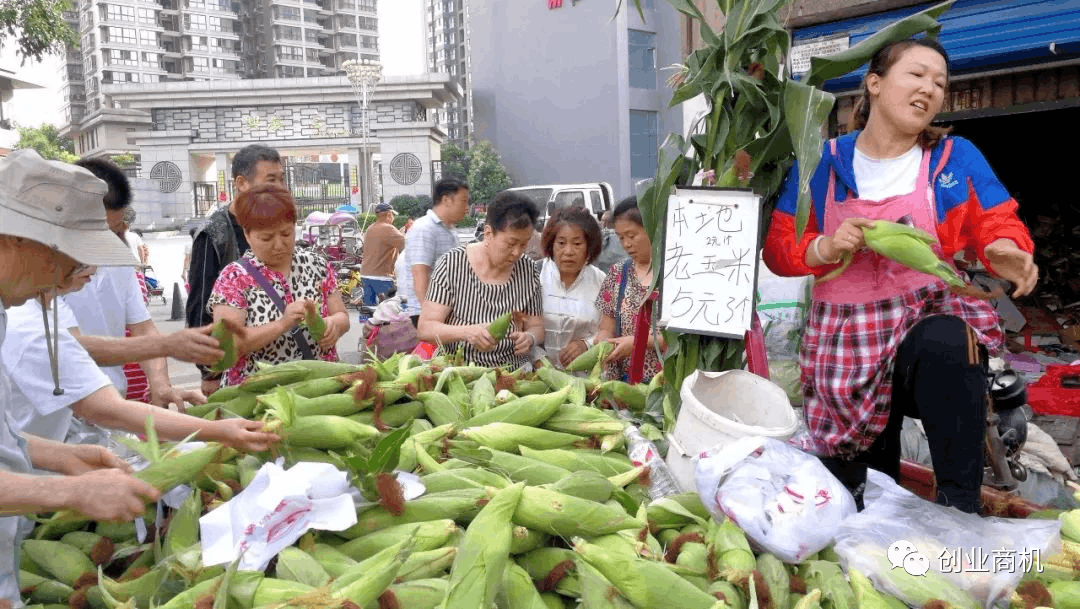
919,551
784,499
782,306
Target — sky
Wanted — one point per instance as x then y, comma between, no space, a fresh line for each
401,43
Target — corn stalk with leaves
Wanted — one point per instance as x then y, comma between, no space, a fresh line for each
759,122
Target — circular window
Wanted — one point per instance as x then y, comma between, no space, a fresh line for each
168,176
406,168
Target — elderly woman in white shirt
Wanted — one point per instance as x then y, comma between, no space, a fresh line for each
571,241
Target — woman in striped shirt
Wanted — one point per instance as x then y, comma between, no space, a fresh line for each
472,285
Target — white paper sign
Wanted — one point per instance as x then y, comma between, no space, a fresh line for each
802,51
710,261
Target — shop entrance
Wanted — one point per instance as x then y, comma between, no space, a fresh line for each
1035,156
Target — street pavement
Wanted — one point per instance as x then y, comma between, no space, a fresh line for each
166,260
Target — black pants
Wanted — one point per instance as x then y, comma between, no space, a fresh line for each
940,377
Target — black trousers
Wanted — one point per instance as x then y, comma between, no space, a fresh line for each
940,377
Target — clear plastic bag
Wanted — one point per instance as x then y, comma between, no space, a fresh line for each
920,551
785,500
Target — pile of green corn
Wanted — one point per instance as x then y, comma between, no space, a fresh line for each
530,503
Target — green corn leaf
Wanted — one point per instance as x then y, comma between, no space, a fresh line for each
387,452
806,109
833,66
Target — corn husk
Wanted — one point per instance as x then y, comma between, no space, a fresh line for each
460,506
63,562
530,411
297,565
484,553
567,516
518,590
430,535
644,582
509,436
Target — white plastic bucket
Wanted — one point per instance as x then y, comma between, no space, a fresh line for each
720,407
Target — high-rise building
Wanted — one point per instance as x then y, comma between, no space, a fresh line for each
149,41
448,51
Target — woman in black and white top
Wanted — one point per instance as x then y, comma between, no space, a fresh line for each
473,285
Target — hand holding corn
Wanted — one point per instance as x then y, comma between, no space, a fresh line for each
1010,262
624,348
847,239
244,434
107,494
477,336
78,459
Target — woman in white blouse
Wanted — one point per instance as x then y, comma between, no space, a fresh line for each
571,240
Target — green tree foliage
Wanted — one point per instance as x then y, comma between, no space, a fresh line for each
36,27
487,175
48,143
480,166
408,206
455,162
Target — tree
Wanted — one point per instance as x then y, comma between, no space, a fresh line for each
37,27
455,162
48,143
408,206
487,176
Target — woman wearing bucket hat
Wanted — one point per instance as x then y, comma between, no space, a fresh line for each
50,228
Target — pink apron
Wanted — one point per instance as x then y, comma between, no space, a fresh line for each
858,320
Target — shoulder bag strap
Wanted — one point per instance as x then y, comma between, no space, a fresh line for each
622,294
296,333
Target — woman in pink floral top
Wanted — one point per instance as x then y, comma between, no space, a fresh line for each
301,278
623,292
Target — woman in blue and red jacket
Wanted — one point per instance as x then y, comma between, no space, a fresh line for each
884,341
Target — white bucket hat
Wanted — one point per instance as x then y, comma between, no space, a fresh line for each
60,206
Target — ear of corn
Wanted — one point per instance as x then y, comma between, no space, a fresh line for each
141,589
1066,594
564,515
509,436
541,562
459,505
225,394
332,560
84,541
678,510
316,325
500,327
395,415
581,459
45,591
297,565
59,560
592,356
187,598
451,479
625,395
227,342
516,467
866,597
727,593
418,594
318,387
429,536
530,410
264,381
584,484
583,421
1070,524
694,557
377,573
777,579
336,404
827,577
272,590
427,564
458,392
524,540
440,409
183,529
484,553
518,590
482,397
645,583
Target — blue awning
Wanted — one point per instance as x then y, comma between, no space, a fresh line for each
978,34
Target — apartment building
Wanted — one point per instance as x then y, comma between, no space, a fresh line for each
151,41
448,52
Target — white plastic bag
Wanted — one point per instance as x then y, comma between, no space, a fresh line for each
784,499
968,560
275,509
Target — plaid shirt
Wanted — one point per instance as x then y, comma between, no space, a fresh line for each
848,355
427,240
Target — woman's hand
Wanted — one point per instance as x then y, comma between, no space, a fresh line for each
1010,262
294,313
847,239
624,348
523,342
336,327
570,352
110,495
478,336
244,435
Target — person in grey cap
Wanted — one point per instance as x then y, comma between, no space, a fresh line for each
51,228
382,244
